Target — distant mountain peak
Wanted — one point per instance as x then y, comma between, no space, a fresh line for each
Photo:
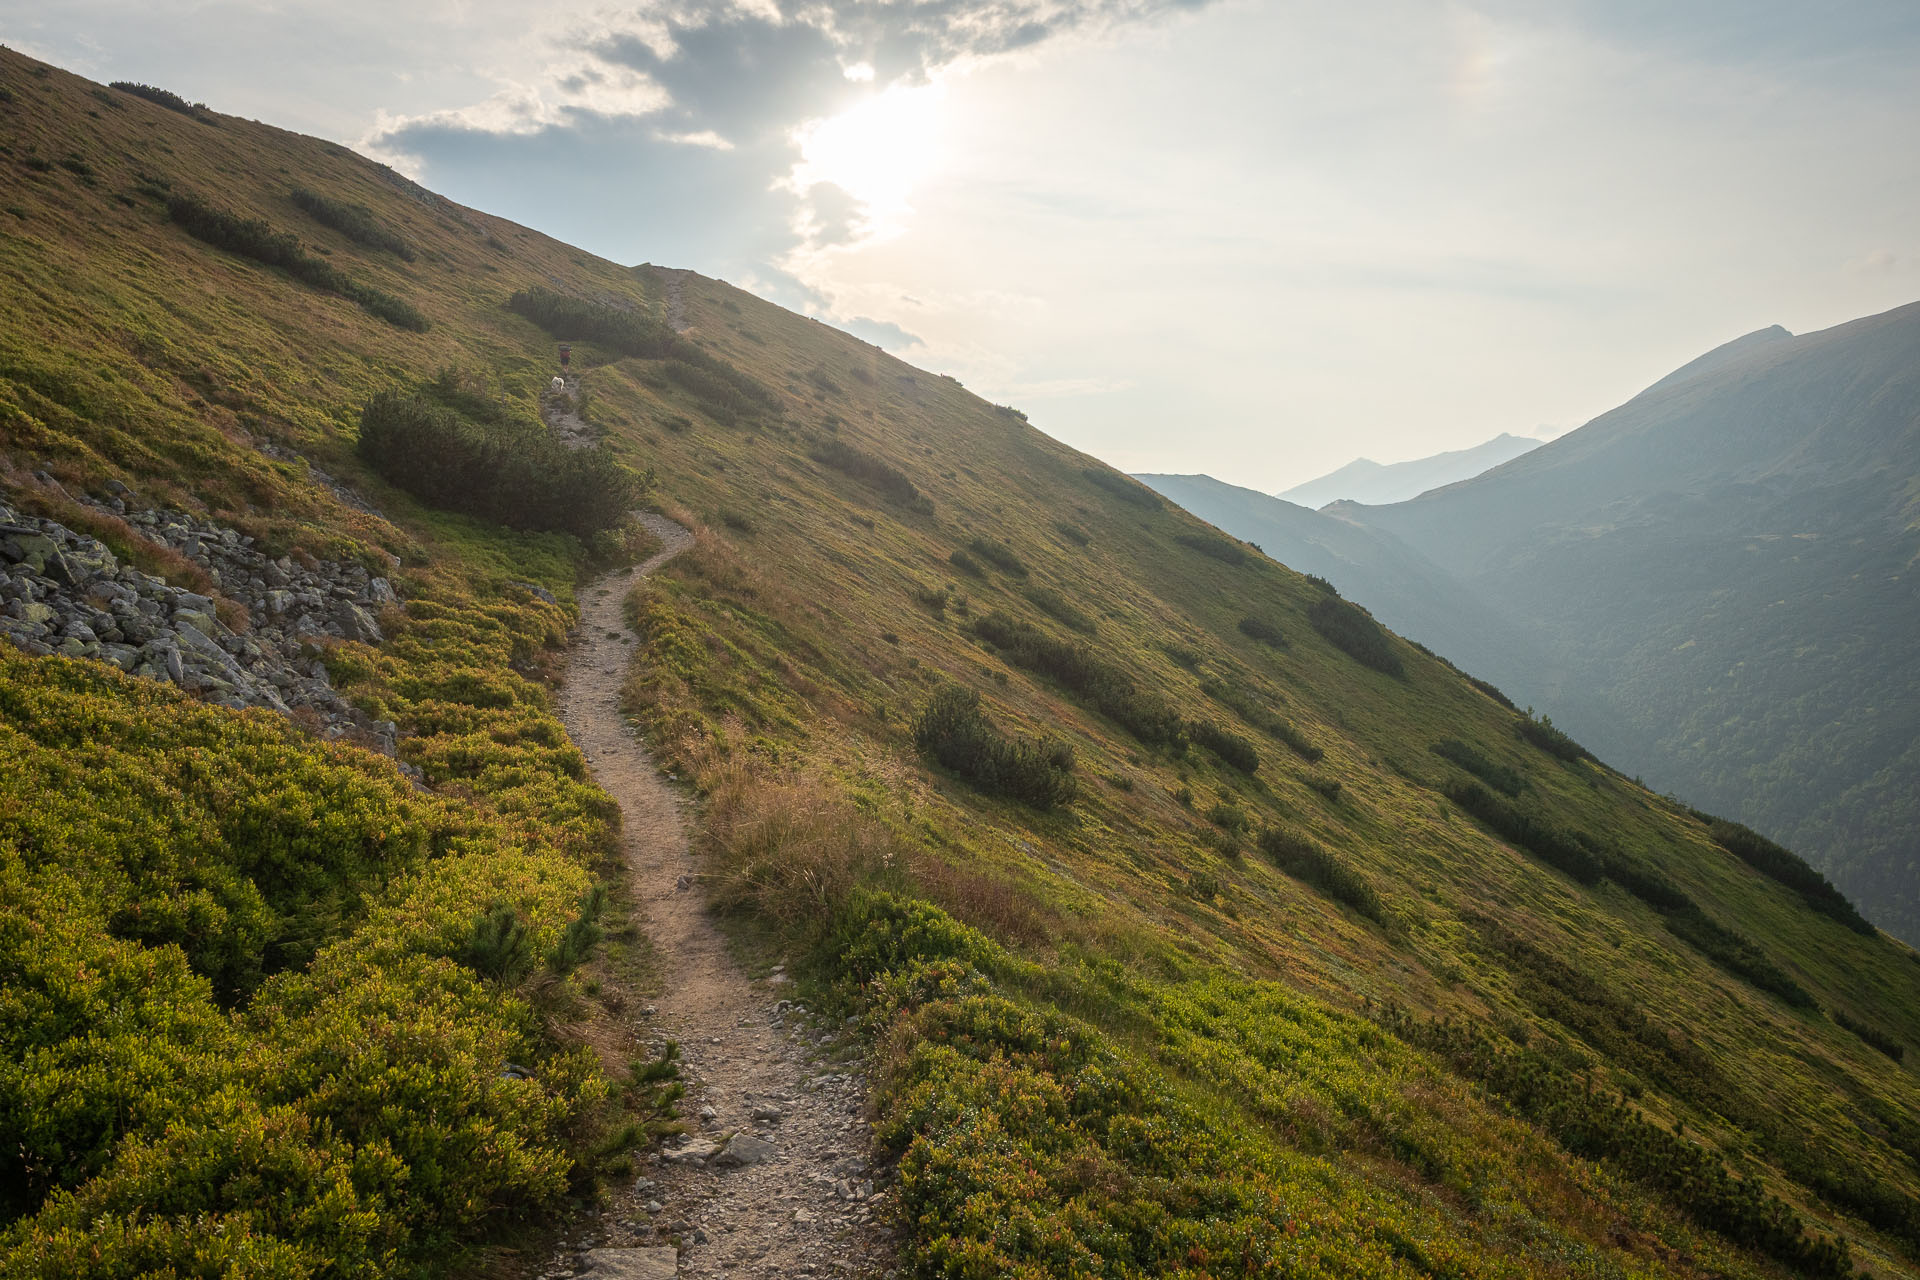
1375,483
1722,356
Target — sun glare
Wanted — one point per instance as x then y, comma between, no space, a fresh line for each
875,151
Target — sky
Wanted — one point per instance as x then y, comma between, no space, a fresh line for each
1252,239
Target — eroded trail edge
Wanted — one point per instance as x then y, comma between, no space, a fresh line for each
774,1182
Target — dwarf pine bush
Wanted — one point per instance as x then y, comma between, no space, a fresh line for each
513,473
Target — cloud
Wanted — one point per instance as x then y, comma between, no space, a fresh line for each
881,333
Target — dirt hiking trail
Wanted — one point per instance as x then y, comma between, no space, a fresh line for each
774,1180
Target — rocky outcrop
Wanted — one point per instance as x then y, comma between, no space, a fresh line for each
65,592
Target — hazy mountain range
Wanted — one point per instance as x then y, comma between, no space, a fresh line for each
1712,585
1364,480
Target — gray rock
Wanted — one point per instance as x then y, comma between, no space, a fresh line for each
697,1152
356,623
661,1262
745,1149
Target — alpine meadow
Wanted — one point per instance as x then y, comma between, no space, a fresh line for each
1143,907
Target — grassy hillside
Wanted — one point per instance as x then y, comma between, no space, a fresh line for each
1223,932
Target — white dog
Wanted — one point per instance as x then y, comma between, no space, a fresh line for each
559,384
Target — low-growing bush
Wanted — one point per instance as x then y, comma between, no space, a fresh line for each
1540,731
956,732
1073,533
1353,631
1597,1125
165,98
1232,749
1110,690
1061,610
1788,868
1252,713
1264,631
1491,691
354,221
1214,547
999,555
1125,488
882,477
1304,859
1588,861
721,391
1552,844
514,474
1873,1036
258,239
628,332
966,564
1502,778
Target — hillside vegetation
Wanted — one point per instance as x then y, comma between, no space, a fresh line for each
1712,585
1179,946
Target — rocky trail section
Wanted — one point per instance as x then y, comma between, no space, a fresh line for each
559,409
775,1182
66,592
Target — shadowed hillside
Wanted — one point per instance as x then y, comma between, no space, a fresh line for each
1717,577
1187,921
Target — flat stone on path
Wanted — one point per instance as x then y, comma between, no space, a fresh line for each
745,1149
657,1263
692,1153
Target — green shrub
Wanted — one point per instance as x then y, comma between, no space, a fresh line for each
1873,1036
1588,861
1125,488
1599,1126
1214,547
257,238
1353,631
1542,734
1322,584
1492,692
721,391
1109,689
626,331
953,730
165,98
1304,859
1278,727
1788,868
1000,556
966,563
1061,610
890,482
354,221
1073,533
1553,845
1262,630
1502,778
1232,749
513,473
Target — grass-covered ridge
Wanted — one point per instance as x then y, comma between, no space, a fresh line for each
1209,1012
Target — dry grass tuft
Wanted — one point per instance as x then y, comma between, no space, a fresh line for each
787,851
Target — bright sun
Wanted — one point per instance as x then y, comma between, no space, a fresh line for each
875,151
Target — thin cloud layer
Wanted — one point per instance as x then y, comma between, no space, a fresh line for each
707,108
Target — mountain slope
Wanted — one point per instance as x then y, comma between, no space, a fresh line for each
1284,950
1719,576
1364,480
1365,564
